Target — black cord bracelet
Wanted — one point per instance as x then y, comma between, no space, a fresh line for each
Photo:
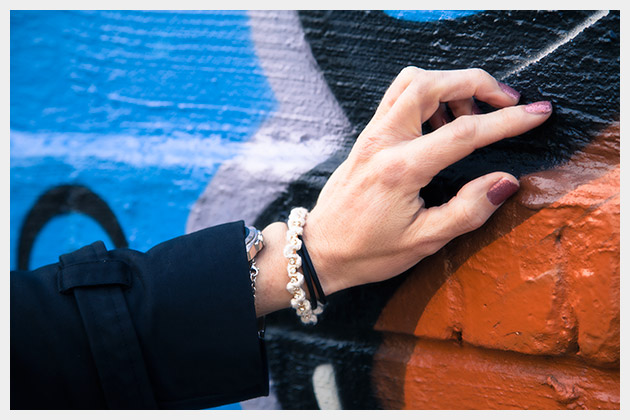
308,279
310,275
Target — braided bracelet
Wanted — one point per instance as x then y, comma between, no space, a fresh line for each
303,308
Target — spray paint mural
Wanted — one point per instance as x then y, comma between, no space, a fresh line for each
140,126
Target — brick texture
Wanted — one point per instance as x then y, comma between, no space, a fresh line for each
548,287
447,375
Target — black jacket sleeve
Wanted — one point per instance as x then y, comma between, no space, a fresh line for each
174,327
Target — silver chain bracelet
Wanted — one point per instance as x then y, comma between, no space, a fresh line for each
253,272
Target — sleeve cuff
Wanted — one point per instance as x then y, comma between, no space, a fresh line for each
195,318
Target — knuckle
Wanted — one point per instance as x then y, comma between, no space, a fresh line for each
409,71
433,247
421,89
479,73
471,218
422,74
464,128
431,240
429,245
393,169
508,120
366,147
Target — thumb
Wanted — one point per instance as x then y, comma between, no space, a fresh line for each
473,205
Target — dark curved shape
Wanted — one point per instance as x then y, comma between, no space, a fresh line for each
65,199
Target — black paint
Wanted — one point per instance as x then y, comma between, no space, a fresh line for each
360,53
65,199
350,355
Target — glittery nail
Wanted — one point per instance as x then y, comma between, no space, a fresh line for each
501,190
509,91
542,107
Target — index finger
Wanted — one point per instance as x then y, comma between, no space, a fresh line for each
459,138
423,95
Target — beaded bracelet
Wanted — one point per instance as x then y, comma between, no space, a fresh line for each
303,308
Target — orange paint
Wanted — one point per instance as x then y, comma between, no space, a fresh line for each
513,294
443,375
592,275
540,278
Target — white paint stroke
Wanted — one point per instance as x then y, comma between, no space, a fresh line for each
307,127
590,21
183,151
325,387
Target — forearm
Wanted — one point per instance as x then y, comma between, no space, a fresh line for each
189,314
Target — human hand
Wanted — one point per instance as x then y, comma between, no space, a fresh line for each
369,223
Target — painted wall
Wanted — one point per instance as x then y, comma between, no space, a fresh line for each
140,126
138,108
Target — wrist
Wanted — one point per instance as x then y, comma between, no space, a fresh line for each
325,260
271,294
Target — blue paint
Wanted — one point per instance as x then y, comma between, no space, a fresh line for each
151,203
68,233
140,107
429,15
140,73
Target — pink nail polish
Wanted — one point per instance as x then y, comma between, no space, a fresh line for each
500,191
509,91
542,107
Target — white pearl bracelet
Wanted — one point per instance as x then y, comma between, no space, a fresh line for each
296,222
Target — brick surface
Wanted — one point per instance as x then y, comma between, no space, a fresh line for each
444,375
592,272
550,285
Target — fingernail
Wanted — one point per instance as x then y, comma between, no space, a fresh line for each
509,91
542,107
500,191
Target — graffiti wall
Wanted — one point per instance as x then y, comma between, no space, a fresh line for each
134,127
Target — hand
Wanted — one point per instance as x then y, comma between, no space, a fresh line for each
369,223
